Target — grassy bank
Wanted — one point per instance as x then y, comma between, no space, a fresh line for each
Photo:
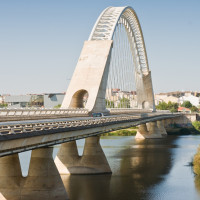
196,125
123,132
196,162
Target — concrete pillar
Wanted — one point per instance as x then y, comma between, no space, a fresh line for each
144,88
67,159
148,131
10,177
142,132
164,123
90,75
94,160
154,130
161,128
43,180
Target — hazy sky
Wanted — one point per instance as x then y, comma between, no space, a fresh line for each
41,40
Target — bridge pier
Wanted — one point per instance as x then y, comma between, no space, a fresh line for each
93,160
150,131
10,178
43,180
161,127
67,159
154,131
142,132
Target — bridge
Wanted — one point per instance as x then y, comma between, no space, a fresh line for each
112,65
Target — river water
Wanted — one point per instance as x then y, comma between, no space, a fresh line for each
142,169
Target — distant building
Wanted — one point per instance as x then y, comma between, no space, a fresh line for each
34,100
53,99
1,99
159,98
183,109
193,100
172,99
22,101
181,93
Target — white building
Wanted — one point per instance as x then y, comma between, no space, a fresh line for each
193,100
159,98
1,99
172,99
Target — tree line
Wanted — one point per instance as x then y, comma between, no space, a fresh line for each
173,107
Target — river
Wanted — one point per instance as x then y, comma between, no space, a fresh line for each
155,169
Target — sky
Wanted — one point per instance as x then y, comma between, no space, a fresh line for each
41,41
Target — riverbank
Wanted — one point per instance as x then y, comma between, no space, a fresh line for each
132,131
193,129
182,131
196,162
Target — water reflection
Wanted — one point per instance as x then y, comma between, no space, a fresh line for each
142,167
197,183
90,187
136,167
147,170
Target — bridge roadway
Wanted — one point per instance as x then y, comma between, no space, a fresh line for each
19,136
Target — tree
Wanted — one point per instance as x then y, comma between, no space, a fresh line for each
173,110
124,103
109,104
173,107
196,125
162,106
194,109
186,104
58,106
3,105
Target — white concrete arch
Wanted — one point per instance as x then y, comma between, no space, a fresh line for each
91,73
106,24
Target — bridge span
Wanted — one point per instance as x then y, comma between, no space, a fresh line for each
44,176
19,136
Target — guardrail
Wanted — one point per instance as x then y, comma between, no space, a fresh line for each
128,110
41,125
40,112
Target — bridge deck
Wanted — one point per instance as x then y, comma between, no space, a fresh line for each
27,135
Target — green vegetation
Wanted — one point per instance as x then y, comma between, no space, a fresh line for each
196,162
196,125
194,109
109,104
187,104
124,103
123,132
3,105
58,106
178,130
196,159
173,107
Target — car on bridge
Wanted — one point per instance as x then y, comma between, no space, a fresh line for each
98,115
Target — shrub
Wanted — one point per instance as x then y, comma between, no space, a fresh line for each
196,125
196,162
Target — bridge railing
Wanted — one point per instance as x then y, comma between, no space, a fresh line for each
128,110
41,112
41,125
